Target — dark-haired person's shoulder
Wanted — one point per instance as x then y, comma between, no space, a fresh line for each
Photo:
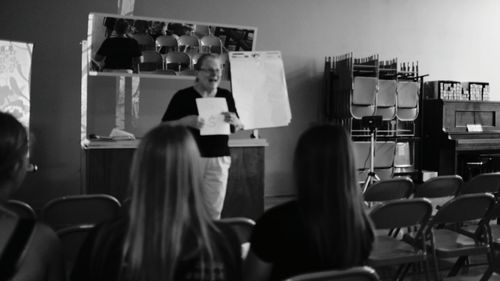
280,212
288,206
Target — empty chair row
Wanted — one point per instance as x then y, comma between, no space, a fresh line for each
441,186
185,43
429,242
174,63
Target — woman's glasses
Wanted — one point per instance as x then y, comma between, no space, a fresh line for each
211,70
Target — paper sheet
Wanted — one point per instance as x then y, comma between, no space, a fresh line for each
210,110
259,89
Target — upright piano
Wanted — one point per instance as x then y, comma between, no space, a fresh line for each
449,147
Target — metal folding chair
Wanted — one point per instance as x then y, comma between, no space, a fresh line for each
80,209
389,250
364,273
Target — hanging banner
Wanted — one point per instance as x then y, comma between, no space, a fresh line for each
15,79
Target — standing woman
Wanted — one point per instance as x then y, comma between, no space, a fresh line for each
167,234
28,250
214,149
326,228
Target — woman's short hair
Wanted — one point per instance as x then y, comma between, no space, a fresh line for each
13,145
202,58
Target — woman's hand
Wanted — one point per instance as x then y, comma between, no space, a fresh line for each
232,118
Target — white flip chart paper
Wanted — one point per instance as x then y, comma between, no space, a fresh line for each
210,110
259,89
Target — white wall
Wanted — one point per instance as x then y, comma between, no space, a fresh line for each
452,39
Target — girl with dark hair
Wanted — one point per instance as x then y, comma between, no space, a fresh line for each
326,227
214,149
168,234
28,250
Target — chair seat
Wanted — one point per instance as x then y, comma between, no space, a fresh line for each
452,244
388,250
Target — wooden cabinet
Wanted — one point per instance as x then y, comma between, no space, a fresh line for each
107,168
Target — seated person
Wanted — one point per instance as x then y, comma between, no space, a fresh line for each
326,228
28,250
167,233
118,51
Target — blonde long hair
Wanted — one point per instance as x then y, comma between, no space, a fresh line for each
166,206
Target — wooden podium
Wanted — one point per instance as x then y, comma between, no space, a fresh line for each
106,169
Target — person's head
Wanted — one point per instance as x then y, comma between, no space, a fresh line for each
328,194
13,152
166,203
209,71
324,163
121,26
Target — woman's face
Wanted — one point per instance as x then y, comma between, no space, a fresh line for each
209,74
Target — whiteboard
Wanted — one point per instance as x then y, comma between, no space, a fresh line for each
259,89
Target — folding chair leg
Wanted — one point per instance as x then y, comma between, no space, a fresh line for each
437,276
487,274
427,270
402,270
458,264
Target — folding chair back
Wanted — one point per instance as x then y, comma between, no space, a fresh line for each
188,44
243,227
407,100
361,273
211,44
165,44
390,189
177,61
440,186
145,41
488,182
80,209
72,238
386,99
150,61
363,96
401,213
22,209
464,208
453,242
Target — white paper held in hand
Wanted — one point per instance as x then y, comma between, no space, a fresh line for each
210,110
